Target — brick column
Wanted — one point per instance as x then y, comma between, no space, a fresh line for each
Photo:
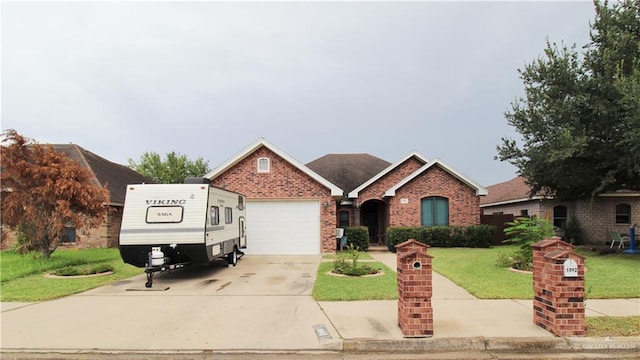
415,314
558,304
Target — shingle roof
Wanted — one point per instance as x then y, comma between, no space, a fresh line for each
509,191
348,171
114,176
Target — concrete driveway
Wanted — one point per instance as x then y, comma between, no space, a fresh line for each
262,303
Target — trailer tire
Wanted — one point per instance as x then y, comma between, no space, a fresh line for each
232,258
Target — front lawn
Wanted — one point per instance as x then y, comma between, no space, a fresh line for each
608,276
345,288
23,278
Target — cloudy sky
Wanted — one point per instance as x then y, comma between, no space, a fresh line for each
207,79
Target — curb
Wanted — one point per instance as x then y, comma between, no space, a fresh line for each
482,344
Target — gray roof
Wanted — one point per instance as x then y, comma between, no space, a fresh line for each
348,171
114,176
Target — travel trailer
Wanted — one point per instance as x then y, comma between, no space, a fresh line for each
169,226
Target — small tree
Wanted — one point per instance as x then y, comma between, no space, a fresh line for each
173,170
526,231
43,191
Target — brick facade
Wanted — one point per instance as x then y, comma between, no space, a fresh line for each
464,204
283,181
376,190
597,218
106,235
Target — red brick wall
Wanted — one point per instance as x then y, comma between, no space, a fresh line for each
377,189
284,181
464,204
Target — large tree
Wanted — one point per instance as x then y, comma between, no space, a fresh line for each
43,191
580,116
172,170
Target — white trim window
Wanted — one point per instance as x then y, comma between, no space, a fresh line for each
264,165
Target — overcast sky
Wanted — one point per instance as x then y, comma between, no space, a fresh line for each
207,79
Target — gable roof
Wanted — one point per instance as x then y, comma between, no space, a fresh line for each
114,176
260,142
418,156
348,170
480,190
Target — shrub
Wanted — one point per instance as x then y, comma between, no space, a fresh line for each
345,267
442,236
479,236
358,236
526,231
399,234
573,233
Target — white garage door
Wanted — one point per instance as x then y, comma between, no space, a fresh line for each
283,227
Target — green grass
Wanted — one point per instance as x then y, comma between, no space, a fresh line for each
613,326
346,255
22,276
350,288
611,276
476,271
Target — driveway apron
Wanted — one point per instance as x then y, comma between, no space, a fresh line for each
262,303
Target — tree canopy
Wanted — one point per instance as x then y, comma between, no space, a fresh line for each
580,116
172,170
44,191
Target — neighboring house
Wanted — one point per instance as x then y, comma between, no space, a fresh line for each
105,173
294,208
606,212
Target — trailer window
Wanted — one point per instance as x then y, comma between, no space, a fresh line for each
240,203
164,214
228,215
215,215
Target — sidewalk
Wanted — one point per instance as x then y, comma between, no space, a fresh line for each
239,309
464,322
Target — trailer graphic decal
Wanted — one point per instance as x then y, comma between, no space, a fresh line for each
164,214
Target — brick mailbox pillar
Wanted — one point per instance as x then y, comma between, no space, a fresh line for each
558,288
415,314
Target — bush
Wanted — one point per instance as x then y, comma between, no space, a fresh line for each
442,236
573,233
400,234
358,236
342,266
526,231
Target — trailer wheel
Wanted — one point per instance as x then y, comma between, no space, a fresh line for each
149,282
232,258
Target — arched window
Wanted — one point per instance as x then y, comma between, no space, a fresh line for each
623,214
559,216
434,210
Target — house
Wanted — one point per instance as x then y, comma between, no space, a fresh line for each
294,208
606,212
105,173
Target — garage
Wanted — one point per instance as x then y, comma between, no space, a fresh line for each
283,227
